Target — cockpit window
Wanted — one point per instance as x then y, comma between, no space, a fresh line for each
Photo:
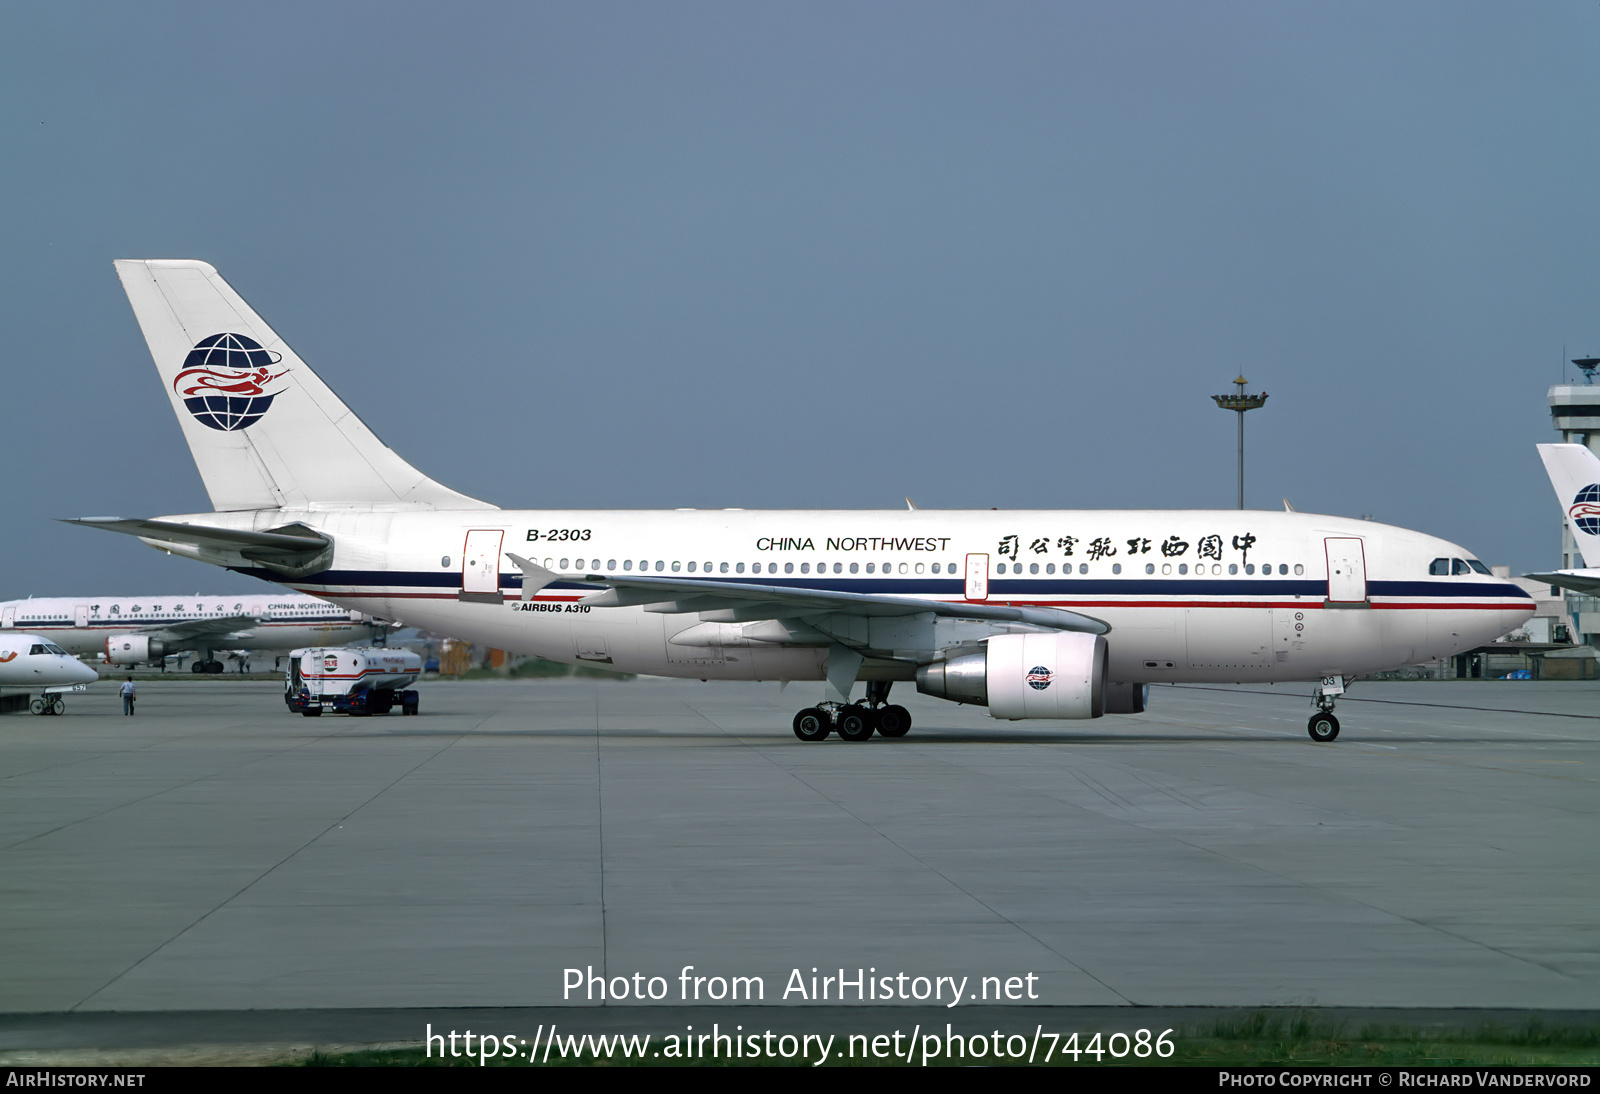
55,649
1439,567
1479,567
37,649
1459,566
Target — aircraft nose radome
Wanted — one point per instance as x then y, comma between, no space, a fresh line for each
81,673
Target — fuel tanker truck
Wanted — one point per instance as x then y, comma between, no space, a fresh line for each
351,680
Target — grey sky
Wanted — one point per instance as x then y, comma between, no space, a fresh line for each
815,255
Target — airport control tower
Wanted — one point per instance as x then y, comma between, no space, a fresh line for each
1575,412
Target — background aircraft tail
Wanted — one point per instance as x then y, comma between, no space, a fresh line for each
265,431
1575,473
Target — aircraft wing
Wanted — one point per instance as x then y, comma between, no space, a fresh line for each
220,627
1579,581
189,630
750,601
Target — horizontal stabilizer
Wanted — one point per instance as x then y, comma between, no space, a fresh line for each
293,550
1579,581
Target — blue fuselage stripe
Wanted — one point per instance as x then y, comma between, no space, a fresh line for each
1026,588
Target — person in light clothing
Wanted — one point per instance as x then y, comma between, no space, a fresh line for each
129,694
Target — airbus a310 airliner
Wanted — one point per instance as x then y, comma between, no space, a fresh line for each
1034,614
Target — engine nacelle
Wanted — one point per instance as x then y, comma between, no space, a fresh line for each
1061,675
131,649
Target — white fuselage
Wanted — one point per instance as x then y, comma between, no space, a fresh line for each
276,621
33,661
1190,595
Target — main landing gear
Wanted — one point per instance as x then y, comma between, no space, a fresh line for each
855,721
1323,726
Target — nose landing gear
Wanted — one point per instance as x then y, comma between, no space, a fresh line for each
1323,726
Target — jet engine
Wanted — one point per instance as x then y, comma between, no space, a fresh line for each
131,649
1058,675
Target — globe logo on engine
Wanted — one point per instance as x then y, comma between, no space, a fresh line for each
1039,678
1585,511
223,382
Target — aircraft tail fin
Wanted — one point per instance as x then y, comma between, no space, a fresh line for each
1575,473
265,431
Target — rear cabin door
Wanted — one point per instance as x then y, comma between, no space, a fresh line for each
480,565
80,615
8,618
1347,571
977,577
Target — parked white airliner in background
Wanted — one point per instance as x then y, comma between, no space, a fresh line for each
1575,476
130,630
1036,614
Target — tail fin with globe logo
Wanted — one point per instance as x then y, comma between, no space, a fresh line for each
265,431
1575,473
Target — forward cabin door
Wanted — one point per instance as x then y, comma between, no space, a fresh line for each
8,618
1347,571
977,577
80,615
480,565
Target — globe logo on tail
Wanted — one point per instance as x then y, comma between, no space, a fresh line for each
224,380
1585,511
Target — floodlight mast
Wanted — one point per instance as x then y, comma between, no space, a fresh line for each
1240,402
